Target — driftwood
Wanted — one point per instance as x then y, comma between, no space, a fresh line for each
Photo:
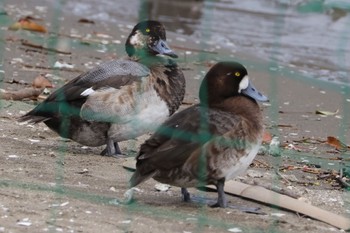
40,47
263,195
26,93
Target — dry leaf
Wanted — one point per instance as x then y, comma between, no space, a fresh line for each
311,170
84,20
41,82
293,147
27,24
267,137
102,35
284,126
326,113
336,143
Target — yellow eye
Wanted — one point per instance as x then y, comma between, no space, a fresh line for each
148,30
237,74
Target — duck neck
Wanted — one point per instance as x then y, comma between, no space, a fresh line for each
248,109
169,83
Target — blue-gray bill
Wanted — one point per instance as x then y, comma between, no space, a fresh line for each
162,47
252,92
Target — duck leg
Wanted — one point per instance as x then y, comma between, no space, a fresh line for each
185,195
112,149
221,195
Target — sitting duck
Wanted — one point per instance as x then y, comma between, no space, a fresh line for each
207,143
120,99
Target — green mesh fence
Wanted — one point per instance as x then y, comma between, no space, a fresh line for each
51,40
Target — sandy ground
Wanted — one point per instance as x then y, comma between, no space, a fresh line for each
56,185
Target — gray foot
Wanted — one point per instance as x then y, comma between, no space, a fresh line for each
112,149
185,195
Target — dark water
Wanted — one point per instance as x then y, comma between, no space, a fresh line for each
311,36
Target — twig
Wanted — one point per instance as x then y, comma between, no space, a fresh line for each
9,195
342,182
266,165
50,68
29,44
283,178
187,103
31,93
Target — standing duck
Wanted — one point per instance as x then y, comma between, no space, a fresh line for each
207,143
120,99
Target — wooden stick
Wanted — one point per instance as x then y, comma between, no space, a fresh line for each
35,67
263,195
31,93
29,44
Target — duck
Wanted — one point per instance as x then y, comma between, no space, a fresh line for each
119,99
207,143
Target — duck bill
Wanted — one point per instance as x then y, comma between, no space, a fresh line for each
252,92
161,47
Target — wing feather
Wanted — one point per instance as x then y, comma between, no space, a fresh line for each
68,99
181,137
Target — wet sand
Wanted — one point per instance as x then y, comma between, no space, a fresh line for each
51,184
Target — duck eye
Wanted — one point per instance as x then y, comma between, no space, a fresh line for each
148,30
237,74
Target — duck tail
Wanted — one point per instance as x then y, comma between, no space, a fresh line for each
32,118
138,178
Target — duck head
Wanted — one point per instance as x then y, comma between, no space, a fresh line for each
148,38
227,79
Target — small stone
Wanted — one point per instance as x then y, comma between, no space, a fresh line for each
24,222
162,187
254,174
125,221
64,203
234,229
277,214
292,178
274,148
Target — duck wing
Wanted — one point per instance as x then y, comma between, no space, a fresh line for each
68,99
181,137
116,73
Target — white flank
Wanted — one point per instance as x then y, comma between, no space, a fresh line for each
87,92
243,163
146,116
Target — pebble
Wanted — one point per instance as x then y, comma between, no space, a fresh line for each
162,187
274,149
234,229
64,203
24,222
277,214
254,174
292,178
33,140
63,65
125,221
